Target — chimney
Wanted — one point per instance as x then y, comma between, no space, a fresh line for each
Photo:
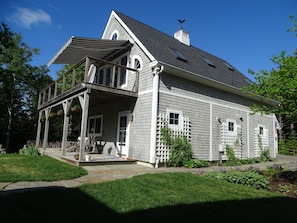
182,35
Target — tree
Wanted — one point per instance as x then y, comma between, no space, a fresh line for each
20,84
280,85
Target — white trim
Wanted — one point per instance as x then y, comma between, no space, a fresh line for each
133,62
180,114
114,32
145,92
101,125
155,102
210,132
234,132
248,134
206,101
113,15
127,142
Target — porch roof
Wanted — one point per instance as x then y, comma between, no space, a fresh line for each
77,48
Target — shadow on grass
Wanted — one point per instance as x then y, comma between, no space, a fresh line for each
72,205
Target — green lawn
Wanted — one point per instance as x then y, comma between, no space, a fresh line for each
162,197
15,167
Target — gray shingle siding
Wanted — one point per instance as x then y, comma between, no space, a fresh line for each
203,104
141,128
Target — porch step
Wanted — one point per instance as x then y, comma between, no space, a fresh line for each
113,162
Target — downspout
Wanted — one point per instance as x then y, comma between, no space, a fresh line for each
157,69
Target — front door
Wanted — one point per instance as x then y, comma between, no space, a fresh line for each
123,133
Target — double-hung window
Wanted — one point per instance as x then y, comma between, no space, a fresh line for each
95,125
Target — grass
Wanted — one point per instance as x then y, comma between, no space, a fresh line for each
162,197
15,167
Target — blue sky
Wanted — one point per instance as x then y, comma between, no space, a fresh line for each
246,33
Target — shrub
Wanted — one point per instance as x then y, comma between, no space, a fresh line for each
30,150
232,160
249,178
180,152
196,163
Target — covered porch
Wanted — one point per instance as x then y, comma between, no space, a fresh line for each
94,159
90,84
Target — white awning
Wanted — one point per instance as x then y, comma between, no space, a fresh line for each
76,48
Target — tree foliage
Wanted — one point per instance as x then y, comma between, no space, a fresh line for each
20,84
280,84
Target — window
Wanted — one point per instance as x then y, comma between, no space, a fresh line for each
115,35
261,130
208,61
95,125
178,55
174,118
136,62
231,126
123,75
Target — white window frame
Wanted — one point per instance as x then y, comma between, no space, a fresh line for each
136,57
263,129
234,132
180,121
105,68
113,33
101,125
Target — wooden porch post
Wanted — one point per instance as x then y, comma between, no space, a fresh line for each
45,138
86,68
38,130
84,102
66,107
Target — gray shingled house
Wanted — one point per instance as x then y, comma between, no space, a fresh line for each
135,78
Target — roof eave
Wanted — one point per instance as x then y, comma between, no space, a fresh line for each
211,83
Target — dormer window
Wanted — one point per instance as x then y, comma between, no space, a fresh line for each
208,61
115,35
178,55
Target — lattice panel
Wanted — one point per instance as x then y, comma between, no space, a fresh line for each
233,139
162,150
261,141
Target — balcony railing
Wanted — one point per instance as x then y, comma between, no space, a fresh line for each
95,71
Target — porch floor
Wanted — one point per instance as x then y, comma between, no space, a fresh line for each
95,159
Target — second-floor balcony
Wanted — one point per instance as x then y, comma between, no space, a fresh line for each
99,75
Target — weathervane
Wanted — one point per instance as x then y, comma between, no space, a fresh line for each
181,21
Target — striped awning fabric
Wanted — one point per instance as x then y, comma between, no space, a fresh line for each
76,48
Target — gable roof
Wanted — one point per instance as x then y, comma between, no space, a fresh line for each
197,61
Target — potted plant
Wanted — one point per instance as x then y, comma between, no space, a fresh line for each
52,114
75,107
76,156
60,112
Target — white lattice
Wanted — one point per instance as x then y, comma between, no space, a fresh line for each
233,139
162,150
261,141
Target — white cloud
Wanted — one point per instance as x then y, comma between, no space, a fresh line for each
27,17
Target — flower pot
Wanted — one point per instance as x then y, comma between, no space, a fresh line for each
59,112
76,156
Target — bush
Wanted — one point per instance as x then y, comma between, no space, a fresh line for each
180,152
249,178
30,150
196,163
